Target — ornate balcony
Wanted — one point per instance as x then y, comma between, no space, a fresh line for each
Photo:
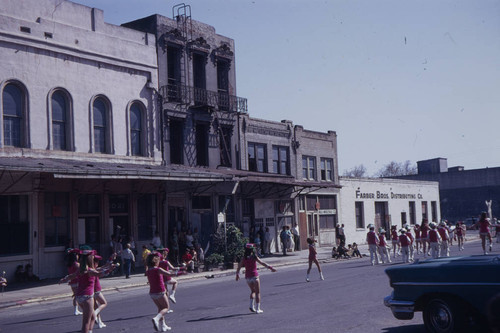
181,94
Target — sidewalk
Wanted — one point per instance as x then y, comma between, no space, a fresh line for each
37,292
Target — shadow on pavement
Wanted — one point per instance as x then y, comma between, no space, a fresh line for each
221,317
405,329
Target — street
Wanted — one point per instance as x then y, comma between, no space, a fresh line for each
348,300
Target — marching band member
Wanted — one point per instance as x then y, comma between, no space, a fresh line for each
372,240
434,240
382,247
443,232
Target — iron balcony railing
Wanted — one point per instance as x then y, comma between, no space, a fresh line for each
175,93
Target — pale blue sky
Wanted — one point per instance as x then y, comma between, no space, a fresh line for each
397,80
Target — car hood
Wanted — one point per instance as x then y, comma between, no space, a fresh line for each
449,269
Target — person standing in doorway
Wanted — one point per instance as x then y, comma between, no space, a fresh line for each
267,241
284,240
296,236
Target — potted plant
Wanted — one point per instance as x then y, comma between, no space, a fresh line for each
231,247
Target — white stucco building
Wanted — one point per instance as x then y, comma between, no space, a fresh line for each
385,202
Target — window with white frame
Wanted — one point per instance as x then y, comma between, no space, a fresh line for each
136,130
101,123
14,114
327,169
309,167
281,164
61,120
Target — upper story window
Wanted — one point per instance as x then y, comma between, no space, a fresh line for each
309,167
14,116
257,157
101,123
61,121
199,72
225,133
176,137
137,138
201,133
327,169
281,164
174,73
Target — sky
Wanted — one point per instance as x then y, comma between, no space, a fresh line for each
396,80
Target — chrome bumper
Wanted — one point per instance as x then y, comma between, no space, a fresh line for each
400,309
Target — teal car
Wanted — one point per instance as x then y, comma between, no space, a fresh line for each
453,293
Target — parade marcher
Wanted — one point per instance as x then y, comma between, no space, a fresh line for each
155,276
73,266
166,265
100,301
443,232
484,231
372,240
434,240
497,231
250,261
313,259
404,243
394,239
418,239
424,236
412,242
460,235
382,247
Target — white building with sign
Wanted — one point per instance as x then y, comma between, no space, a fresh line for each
385,202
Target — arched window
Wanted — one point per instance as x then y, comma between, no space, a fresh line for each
13,116
101,134
60,121
136,132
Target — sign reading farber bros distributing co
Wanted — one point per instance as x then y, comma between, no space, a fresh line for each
386,195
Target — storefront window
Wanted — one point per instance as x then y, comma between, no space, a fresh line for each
56,219
14,225
146,216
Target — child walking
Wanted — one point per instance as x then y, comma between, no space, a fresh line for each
249,261
313,259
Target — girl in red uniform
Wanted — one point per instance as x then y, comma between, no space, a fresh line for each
313,259
418,239
73,266
100,301
157,290
460,235
424,236
250,261
484,231
382,247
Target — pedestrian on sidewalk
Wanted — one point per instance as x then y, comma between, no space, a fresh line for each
313,259
128,257
249,261
157,290
267,241
284,239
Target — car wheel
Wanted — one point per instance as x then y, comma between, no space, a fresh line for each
442,316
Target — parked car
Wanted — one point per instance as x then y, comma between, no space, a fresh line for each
453,292
470,223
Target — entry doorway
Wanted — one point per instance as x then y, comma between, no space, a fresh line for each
381,217
313,225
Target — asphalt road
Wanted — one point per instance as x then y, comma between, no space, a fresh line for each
348,300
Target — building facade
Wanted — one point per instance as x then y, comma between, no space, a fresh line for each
79,133
384,202
464,193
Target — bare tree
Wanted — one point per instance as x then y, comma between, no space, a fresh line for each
397,169
359,171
